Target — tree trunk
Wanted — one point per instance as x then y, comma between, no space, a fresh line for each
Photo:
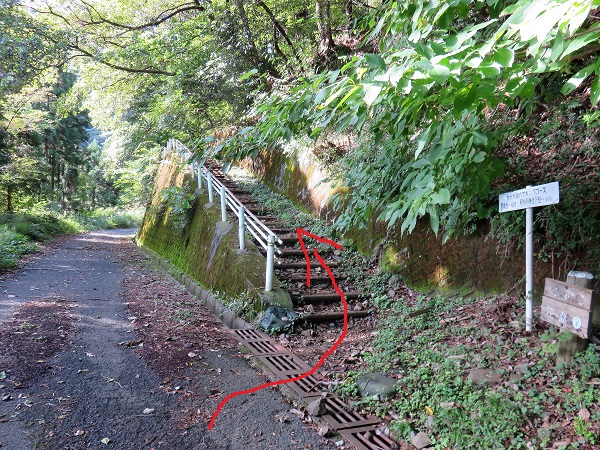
61,185
253,55
280,29
9,205
324,27
349,13
52,176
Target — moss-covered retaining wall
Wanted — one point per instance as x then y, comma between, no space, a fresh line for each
197,243
212,304
469,262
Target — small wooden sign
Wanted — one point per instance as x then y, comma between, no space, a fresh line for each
568,307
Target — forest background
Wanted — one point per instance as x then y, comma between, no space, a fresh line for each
425,111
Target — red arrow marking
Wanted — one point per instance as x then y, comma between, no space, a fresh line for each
301,233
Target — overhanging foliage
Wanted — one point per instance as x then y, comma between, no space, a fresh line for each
427,105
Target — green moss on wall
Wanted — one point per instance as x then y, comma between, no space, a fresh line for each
421,258
201,246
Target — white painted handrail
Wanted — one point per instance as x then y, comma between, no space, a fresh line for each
247,221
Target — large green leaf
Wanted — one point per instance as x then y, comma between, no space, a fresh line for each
595,91
504,56
375,60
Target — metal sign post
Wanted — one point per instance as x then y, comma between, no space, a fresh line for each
528,198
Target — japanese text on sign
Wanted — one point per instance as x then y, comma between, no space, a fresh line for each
530,197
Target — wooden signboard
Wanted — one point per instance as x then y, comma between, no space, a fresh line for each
568,307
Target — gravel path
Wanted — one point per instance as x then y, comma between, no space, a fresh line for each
74,373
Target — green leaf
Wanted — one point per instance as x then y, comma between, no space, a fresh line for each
442,197
320,96
490,69
375,60
434,220
528,90
595,91
479,157
464,98
248,74
505,57
580,42
371,92
576,80
558,47
480,138
420,163
348,95
440,73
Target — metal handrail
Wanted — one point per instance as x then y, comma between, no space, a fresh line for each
265,237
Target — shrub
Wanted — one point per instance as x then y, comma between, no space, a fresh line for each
13,245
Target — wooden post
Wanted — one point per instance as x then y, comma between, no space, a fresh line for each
569,343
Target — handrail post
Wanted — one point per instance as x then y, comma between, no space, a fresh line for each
223,205
270,263
209,182
192,167
200,177
242,228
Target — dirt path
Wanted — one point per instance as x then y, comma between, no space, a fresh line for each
95,346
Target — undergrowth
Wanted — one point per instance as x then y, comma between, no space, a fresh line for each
433,345
20,232
289,213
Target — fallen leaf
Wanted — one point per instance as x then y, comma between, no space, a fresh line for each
324,430
297,412
584,414
148,410
429,410
79,433
105,441
2,375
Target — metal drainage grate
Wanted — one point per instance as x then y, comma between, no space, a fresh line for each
246,335
341,416
360,431
284,364
306,387
366,438
264,347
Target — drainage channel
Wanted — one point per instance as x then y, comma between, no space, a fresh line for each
364,433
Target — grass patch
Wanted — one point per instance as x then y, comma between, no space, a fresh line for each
109,218
432,355
20,232
12,246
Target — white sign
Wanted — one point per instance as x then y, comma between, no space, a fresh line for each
530,197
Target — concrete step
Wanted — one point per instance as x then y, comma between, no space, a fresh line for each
302,265
316,278
332,316
283,252
288,239
325,298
